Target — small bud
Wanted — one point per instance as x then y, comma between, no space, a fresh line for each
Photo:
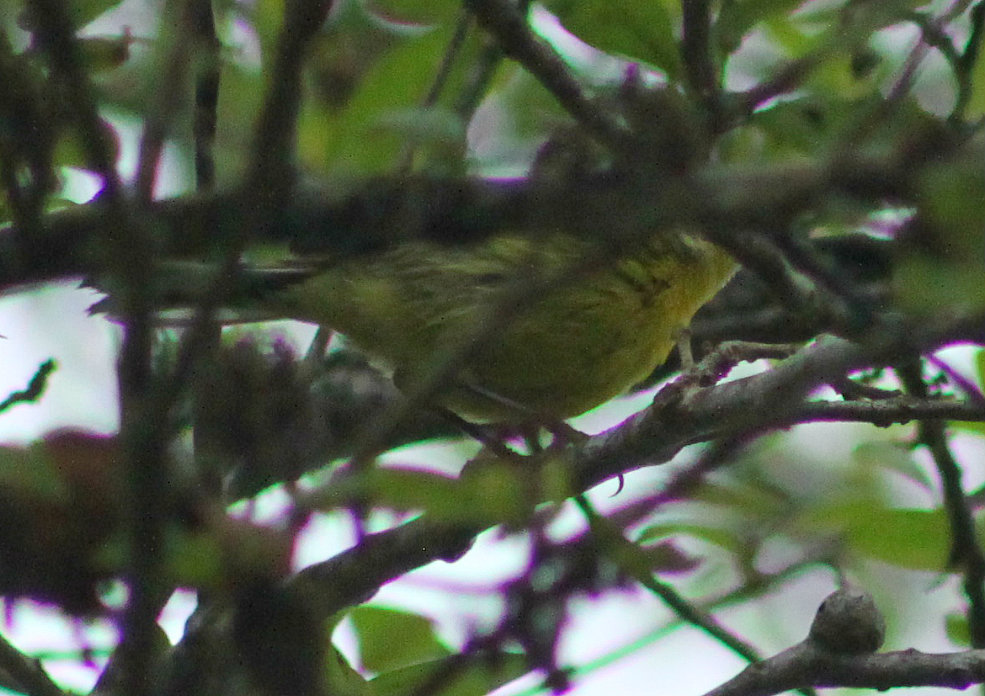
849,623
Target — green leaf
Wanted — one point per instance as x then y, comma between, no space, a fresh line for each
975,108
391,638
341,678
639,30
943,272
980,367
488,493
82,12
421,11
802,126
892,456
350,140
105,52
192,560
31,472
737,18
952,197
472,675
725,536
747,499
956,627
915,539
439,132
71,152
903,537
973,427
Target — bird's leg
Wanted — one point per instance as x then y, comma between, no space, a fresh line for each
682,337
490,438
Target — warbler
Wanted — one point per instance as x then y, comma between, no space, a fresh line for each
539,328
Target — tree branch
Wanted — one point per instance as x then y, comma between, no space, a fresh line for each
503,20
28,674
805,665
716,197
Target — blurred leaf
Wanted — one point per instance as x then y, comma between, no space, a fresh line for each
635,29
80,12
439,131
725,536
735,496
892,456
667,557
266,17
916,539
952,197
350,140
844,80
975,108
737,18
30,471
956,627
422,11
224,552
861,18
932,286
341,678
974,427
391,638
421,125
637,560
941,270
489,492
240,97
105,52
70,152
193,560
903,537
980,367
350,46
529,115
471,675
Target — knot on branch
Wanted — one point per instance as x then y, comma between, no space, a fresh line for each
848,623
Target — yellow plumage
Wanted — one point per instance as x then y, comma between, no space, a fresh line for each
573,326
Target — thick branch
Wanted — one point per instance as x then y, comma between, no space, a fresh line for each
461,210
805,665
681,415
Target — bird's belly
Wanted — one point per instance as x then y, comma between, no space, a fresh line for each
558,360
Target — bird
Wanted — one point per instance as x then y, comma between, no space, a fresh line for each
536,328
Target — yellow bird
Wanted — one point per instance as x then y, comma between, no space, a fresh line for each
573,325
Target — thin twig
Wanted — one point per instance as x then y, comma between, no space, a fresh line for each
619,548
269,179
28,673
696,52
886,412
165,100
451,54
502,19
966,62
34,389
130,252
966,551
202,24
905,79
970,389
